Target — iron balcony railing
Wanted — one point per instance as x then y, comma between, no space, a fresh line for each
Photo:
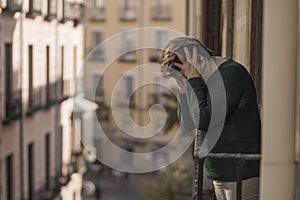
51,94
12,106
35,100
199,161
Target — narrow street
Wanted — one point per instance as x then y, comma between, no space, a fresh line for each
111,187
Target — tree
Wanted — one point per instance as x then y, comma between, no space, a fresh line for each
175,183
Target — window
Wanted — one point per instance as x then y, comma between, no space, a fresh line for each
58,149
30,75
98,89
71,10
13,5
9,178
97,51
30,151
98,3
128,10
126,90
97,11
128,46
161,38
159,90
75,62
12,100
48,92
161,10
51,9
34,93
129,86
62,69
35,8
47,161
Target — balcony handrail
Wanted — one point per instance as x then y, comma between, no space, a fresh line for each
35,99
199,161
12,105
234,156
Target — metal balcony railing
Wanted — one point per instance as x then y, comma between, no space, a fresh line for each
12,106
198,177
35,100
96,96
161,12
51,95
59,89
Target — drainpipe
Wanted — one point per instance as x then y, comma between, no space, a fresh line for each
21,126
279,99
187,17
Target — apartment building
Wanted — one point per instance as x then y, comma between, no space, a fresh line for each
41,48
117,63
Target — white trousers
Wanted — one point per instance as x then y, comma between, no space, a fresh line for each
227,190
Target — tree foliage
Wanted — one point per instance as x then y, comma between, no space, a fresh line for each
175,183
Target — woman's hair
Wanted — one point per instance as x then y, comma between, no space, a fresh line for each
177,45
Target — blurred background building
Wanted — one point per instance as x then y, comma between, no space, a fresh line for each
41,45
105,19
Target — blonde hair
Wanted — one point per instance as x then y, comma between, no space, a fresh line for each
168,56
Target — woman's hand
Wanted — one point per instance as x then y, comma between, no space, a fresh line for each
189,64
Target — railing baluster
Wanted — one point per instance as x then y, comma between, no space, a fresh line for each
239,175
198,179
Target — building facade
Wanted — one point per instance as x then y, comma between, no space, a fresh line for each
41,47
114,24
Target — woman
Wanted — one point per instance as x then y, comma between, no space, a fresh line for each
196,70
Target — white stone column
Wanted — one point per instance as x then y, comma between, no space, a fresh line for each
279,99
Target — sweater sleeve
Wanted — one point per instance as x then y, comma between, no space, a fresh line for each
199,99
183,113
